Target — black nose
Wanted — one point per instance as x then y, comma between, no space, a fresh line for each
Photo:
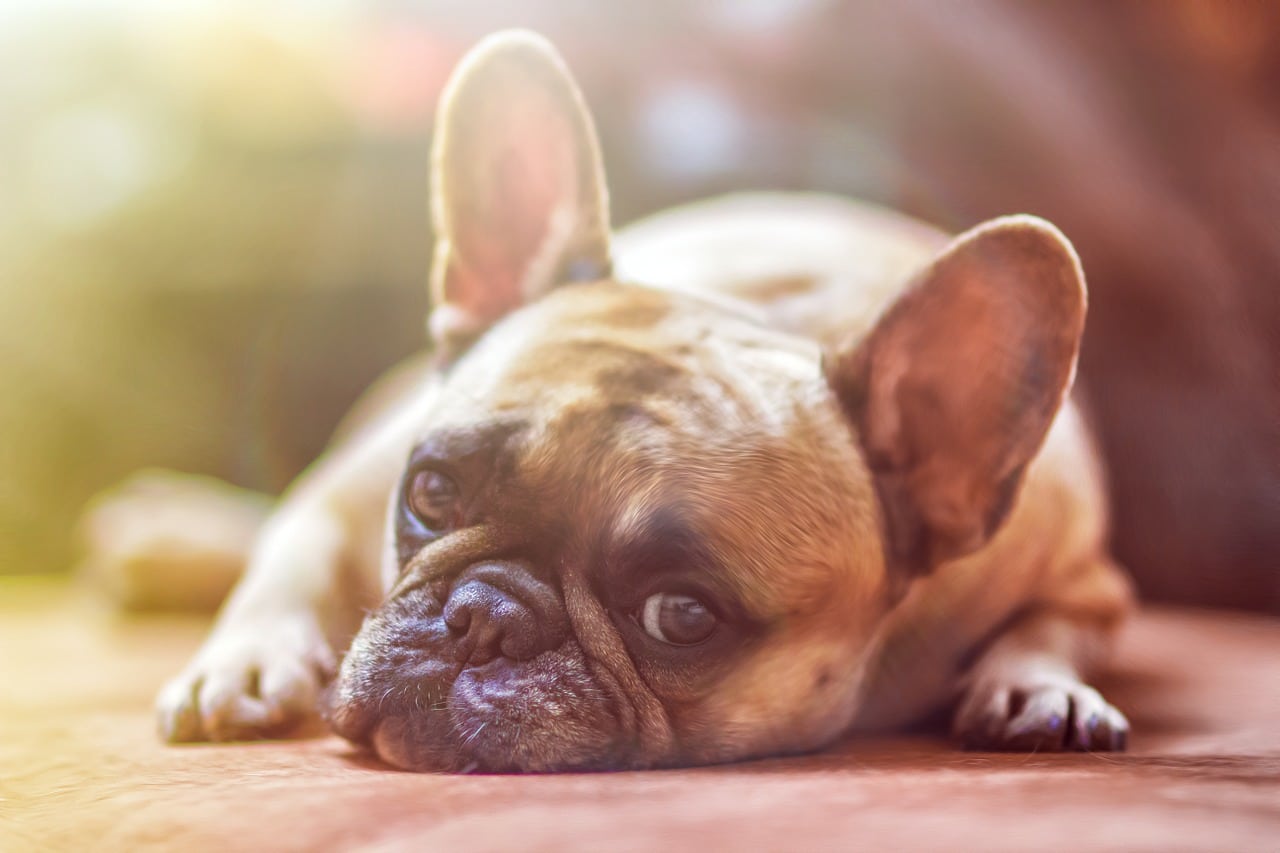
502,610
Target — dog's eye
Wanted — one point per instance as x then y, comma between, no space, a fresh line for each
679,620
433,498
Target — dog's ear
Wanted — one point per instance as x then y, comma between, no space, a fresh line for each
954,389
518,193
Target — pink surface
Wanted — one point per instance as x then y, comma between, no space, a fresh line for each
80,767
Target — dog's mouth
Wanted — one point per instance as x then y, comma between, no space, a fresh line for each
410,725
403,694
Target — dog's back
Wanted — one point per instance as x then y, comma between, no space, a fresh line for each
819,265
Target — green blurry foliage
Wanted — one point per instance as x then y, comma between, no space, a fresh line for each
207,249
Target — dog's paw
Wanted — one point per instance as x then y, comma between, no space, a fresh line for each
1050,715
247,683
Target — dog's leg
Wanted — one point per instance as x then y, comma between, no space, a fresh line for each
263,664
163,540
312,574
1026,692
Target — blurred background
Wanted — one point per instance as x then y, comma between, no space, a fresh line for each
213,228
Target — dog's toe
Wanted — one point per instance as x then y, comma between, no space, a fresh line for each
178,710
289,685
1041,723
1097,726
230,708
1040,718
249,688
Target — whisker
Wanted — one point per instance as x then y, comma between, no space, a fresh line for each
469,738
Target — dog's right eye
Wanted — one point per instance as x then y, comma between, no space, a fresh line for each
677,620
433,499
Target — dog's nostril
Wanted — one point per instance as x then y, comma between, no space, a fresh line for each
488,623
501,609
483,639
458,618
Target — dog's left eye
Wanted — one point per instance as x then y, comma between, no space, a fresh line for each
678,620
433,498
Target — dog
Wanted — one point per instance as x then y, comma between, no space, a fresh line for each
734,482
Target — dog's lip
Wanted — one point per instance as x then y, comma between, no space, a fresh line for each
348,719
391,736
399,741
422,742
417,707
356,719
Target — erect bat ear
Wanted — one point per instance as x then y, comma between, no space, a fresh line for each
954,389
518,198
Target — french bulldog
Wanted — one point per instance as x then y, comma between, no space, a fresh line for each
736,481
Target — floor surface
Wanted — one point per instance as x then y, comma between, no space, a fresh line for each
81,769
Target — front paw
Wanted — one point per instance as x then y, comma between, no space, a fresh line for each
247,682
1051,715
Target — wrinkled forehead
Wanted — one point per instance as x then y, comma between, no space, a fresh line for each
588,347
626,415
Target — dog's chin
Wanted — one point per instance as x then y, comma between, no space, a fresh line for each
417,711
419,743
488,726
398,741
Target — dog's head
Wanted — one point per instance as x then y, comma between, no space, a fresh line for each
641,528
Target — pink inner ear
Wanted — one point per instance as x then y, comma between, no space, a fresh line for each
520,170
955,388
